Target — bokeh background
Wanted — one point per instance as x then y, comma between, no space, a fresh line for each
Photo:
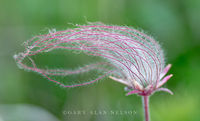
26,96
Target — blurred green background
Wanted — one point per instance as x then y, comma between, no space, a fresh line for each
26,96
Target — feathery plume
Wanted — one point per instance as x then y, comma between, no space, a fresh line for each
130,57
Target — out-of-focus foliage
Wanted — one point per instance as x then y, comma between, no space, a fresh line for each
24,112
174,23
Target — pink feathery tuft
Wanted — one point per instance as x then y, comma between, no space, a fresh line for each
130,56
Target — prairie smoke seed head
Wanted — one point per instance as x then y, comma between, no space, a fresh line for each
130,57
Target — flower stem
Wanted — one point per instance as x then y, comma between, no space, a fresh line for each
146,108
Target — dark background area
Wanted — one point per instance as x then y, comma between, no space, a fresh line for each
26,96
